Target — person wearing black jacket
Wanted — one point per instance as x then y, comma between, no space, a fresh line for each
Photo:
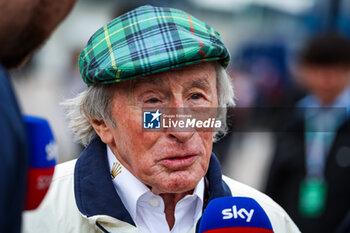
310,171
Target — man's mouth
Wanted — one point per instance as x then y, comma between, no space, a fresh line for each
179,162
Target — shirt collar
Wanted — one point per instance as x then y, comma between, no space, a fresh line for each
343,100
335,114
199,190
130,189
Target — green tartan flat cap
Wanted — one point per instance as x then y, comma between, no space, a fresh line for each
149,40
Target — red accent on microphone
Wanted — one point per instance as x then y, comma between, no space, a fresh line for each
239,230
39,180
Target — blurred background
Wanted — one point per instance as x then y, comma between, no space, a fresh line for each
263,36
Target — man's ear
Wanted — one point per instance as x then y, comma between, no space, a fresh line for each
103,130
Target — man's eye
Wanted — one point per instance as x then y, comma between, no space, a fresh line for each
196,96
152,100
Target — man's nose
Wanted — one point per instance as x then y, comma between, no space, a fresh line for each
179,136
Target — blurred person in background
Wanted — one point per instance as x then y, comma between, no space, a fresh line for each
24,26
310,171
128,179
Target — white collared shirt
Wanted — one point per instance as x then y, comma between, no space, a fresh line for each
147,209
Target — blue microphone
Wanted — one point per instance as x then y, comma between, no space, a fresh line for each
42,160
234,215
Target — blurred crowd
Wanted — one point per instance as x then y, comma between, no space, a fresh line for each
287,58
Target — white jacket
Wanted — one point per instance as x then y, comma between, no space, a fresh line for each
82,198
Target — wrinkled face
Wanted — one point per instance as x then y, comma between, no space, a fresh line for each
167,162
326,82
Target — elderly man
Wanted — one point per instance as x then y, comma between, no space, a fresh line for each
129,179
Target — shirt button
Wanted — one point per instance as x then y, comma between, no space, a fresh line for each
154,202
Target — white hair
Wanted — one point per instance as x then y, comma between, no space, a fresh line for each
94,103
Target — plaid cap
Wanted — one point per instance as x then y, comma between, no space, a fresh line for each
149,40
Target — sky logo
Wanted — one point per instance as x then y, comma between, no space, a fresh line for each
234,213
151,120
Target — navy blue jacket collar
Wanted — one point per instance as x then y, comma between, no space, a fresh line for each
93,186
96,195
